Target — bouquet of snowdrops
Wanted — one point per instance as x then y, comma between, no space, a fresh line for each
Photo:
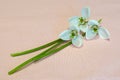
80,28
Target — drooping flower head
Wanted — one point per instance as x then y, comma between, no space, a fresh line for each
72,34
81,22
96,29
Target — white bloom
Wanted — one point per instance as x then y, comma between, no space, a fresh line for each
83,27
72,34
95,29
81,22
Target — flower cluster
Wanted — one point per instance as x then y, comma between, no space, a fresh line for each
83,28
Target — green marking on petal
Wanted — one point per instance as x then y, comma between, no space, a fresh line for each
82,21
95,28
83,34
73,34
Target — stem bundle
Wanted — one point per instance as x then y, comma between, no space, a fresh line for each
55,48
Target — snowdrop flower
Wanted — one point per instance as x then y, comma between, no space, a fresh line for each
95,29
72,34
81,22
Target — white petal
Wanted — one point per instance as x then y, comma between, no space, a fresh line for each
83,28
74,28
93,22
74,21
65,35
73,18
85,13
90,34
103,33
77,41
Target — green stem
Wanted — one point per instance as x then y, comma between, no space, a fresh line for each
53,51
39,56
35,49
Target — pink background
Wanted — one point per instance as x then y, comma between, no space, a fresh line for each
26,24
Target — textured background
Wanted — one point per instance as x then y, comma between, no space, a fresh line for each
25,24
